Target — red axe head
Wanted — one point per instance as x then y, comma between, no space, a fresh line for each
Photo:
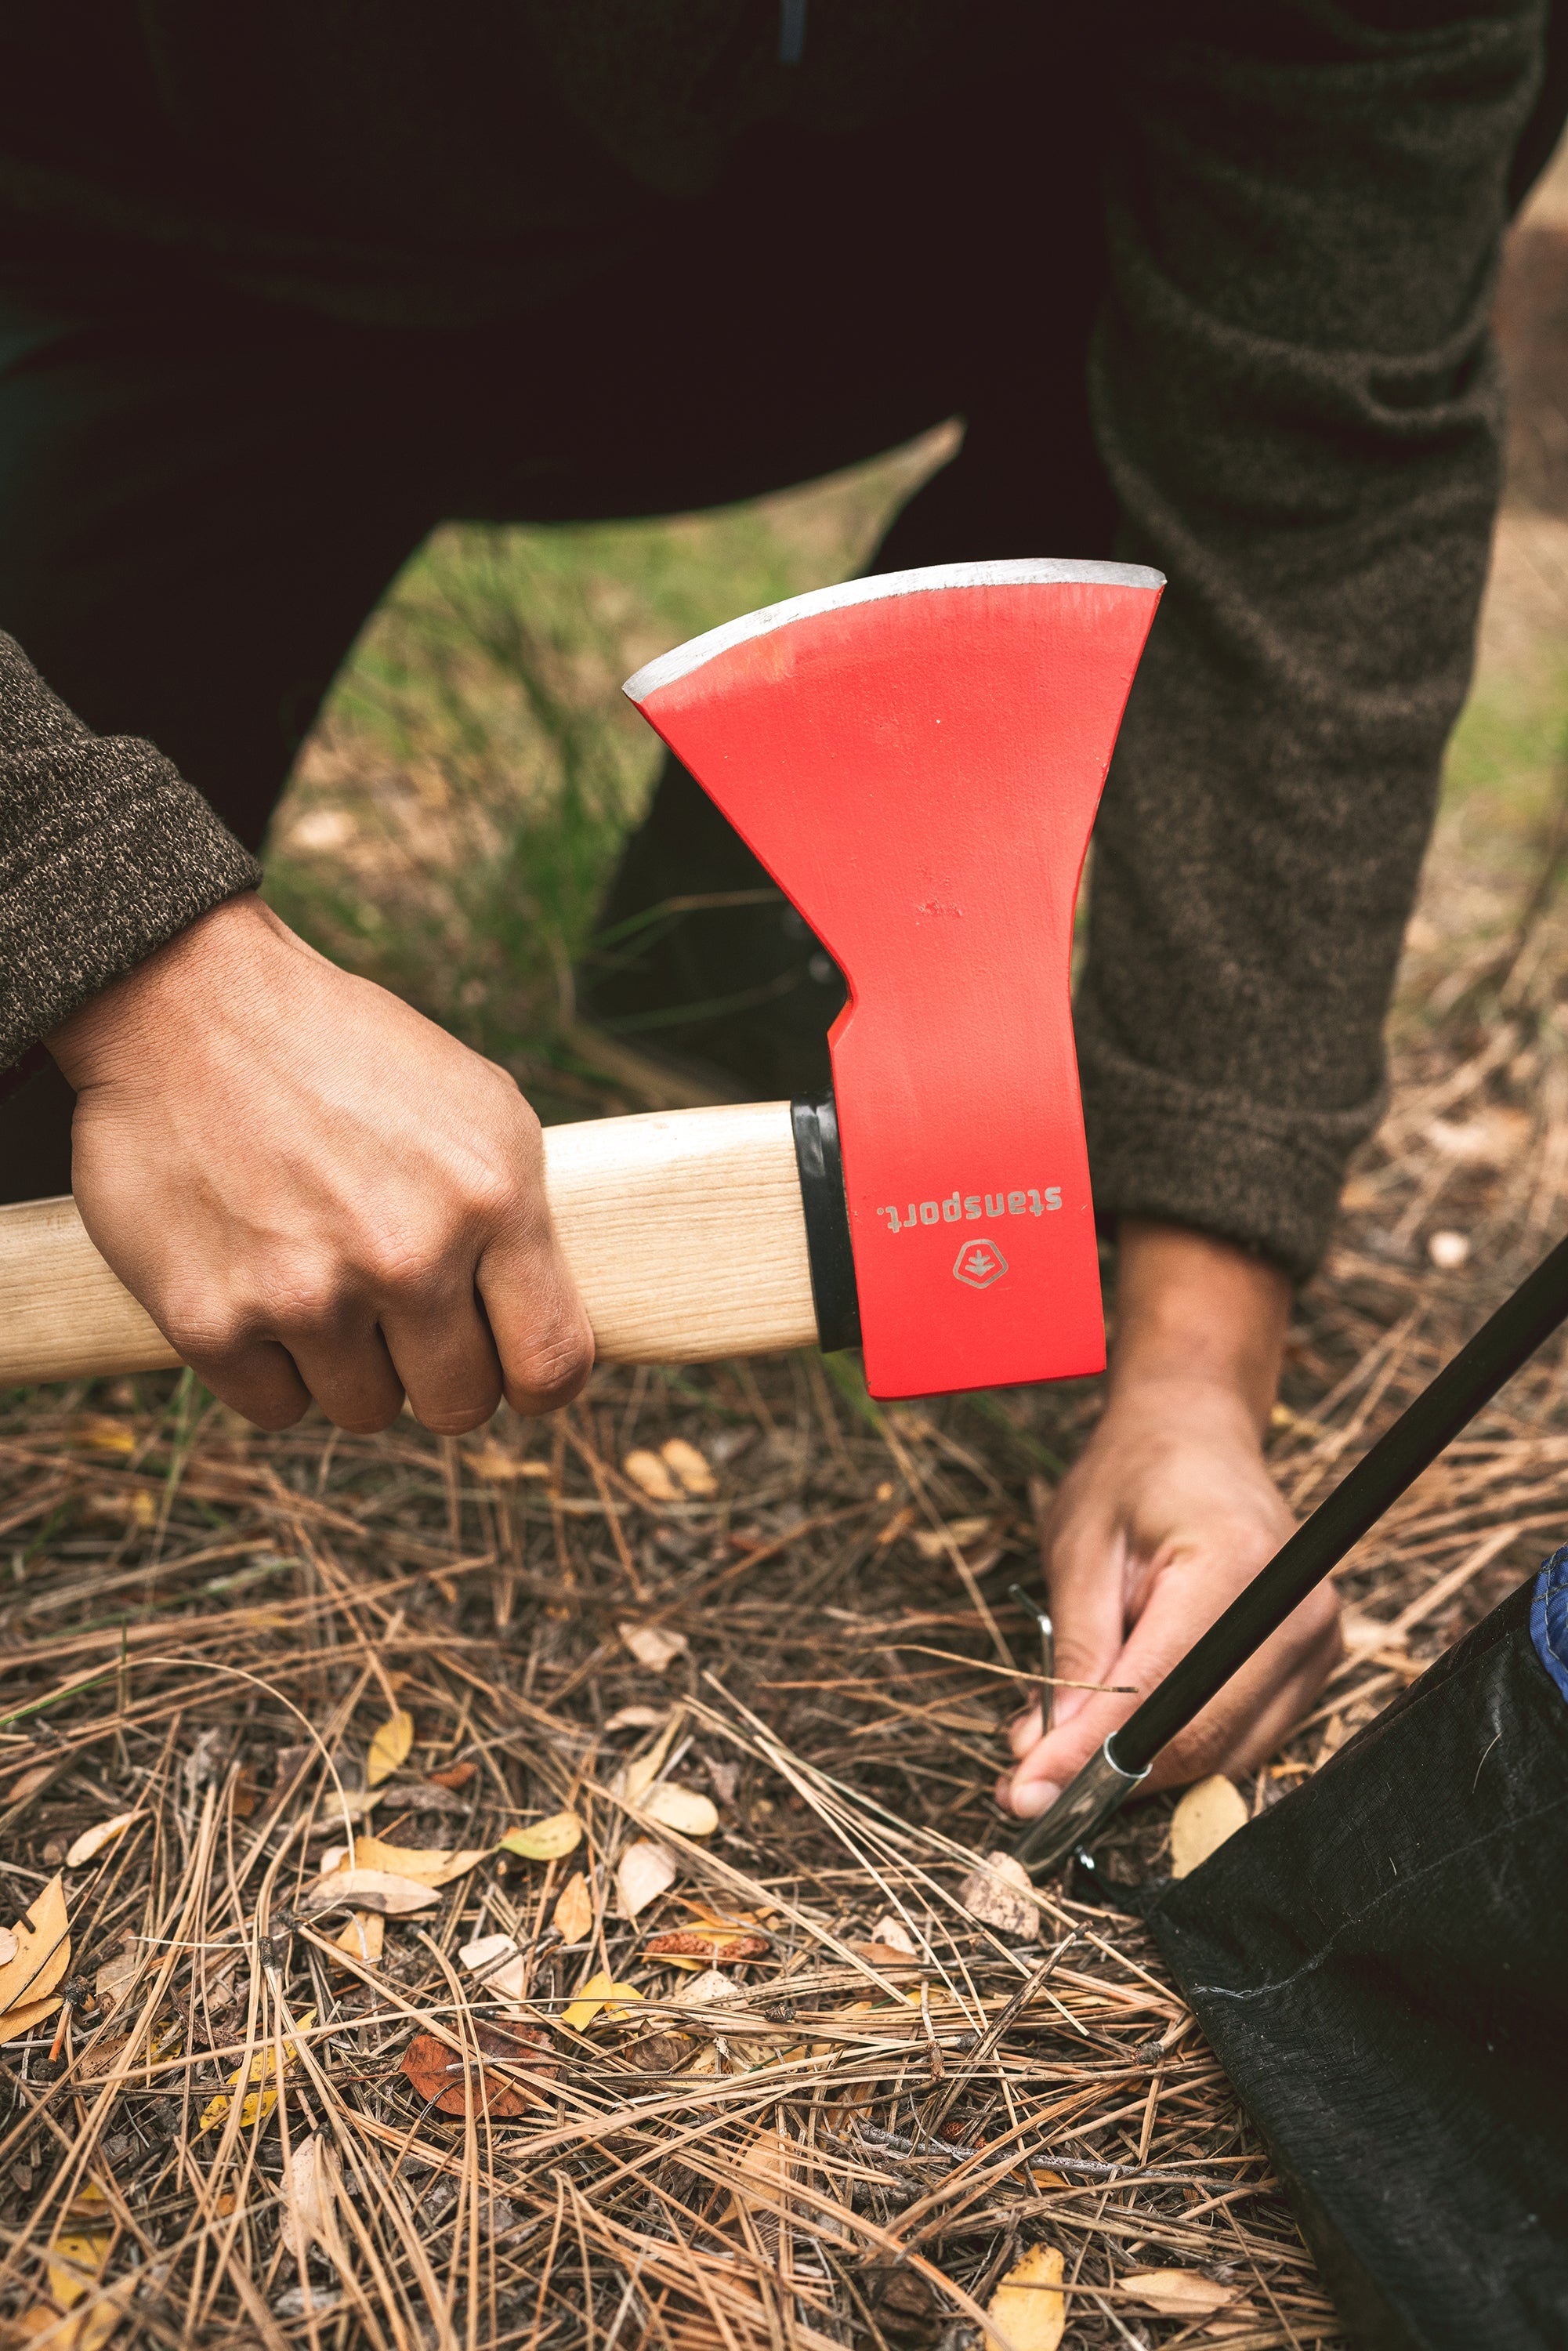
916,759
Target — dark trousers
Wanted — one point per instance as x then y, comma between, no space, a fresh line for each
201,497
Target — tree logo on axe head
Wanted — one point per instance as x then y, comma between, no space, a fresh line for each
979,1263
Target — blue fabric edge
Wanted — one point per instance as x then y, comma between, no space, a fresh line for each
1548,1619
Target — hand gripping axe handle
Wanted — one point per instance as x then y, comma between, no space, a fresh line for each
916,759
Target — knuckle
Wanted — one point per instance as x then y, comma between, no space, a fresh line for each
550,1372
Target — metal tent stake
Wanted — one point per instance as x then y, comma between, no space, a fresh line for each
1438,1415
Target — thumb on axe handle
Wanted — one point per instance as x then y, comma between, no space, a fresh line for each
683,1231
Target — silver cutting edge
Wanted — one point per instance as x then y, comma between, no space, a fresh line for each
1100,1790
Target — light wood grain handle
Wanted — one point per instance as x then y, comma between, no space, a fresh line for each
683,1231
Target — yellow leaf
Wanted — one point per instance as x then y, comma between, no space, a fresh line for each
597,1993
363,1937
388,1748
73,2254
94,1432
26,2017
259,2101
681,1809
431,1867
1204,1817
1025,2311
1179,2294
574,1909
689,1466
42,1952
646,1471
546,1840
91,1841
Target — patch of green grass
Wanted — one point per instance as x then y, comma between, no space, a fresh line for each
457,813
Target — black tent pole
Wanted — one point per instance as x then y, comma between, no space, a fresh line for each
1436,1417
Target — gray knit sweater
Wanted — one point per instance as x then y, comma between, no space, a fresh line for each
1294,393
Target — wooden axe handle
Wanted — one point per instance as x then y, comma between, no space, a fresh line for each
683,1229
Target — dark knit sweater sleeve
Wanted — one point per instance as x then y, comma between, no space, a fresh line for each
1297,399
105,853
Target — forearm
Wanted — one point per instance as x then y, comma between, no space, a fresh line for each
106,853
1195,1313
1296,399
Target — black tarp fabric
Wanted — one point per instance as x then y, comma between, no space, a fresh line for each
1381,1962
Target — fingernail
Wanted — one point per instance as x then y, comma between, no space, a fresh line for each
1036,1796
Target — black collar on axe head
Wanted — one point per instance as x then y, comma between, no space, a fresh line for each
916,759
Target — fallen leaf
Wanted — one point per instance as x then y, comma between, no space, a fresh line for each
681,1809
26,2017
574,1909
933,1543
1009,1907
388,1748
1178,2293
1026,2309
723,1778
43,1953
721,1947
652,1646
546,1840
597,1993
92,1842
427,1865
114,1980
503,1468
443,2075
371,1889
9,1947
892,1931
310,2199
633,1781
689,1466
660,2052
259,2101
644,1870
646,1471
94,1432
1204,1817
31,1781
634,1718
364,1937
881,1955
496,1960
706,1987
453,1775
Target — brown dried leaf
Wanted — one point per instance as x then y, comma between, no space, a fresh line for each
114,1980
433,1866
1009,1907
371,1889
496,1960
453,1775
652,1646
388,1748
364,1937
690,1467
661,2052
93,1841
681,1809
26,2017
44,1951
646,1471
310,2198
645,1871
1204,1817
718,1948
574,1909
1179,2294
443,2074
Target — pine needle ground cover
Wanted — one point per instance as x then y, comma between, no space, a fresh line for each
541,1889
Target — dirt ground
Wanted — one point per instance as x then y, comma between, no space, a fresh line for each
725,1652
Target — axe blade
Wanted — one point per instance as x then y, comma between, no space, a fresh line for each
916,759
